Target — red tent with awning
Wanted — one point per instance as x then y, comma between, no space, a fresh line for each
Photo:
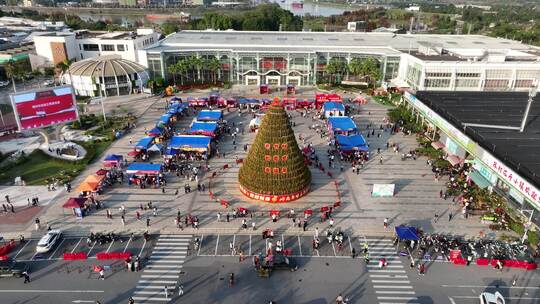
74,202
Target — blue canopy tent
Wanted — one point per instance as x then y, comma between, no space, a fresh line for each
176,108
174,98
351,143
112,160
407,233
190,143
142,168
203,128
342,125
165,118
144,143
210,115
333,109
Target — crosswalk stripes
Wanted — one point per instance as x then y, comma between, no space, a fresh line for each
391,284
163,269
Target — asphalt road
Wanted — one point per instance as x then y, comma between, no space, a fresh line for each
54,280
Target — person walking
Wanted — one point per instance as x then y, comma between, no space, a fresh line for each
148,222
26,277
422,269
385,223
123,220
436,217
331,222
353,253
38,222
253,225
181,290
166,291
316,232
131,301
450,215
102,273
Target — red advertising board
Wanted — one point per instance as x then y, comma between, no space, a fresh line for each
43,108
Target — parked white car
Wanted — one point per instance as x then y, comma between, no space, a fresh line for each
4,83
491,298
48,241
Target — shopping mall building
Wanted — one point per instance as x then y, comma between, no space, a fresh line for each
418,61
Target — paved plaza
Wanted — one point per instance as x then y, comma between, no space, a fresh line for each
171,260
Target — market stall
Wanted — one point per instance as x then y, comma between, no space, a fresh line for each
209,128
144,143
210,115
76,204
189,147
145,174
333,109
113,160
142,168
351,143
342,125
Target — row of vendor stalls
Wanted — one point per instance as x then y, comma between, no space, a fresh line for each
346,135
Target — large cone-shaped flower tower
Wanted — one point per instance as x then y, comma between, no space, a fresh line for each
274,170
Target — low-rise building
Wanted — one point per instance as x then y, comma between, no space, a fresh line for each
56,47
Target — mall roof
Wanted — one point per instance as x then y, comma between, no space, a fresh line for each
108,66
519,151
386,43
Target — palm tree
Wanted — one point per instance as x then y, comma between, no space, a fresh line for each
213,65
336,67
370,71
198,64
355,67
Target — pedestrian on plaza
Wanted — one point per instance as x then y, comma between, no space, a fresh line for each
440,194
131,301
12,208
166,291
231,279
123,209
5,208
331,222
422,269
38,222
228,217
137,215
412,263
136,264
154,212
123,220
253,225
148,222
102,273
385,223
316,232
26,277
180,290
382,263
450,215
304,225
436,217
339,299
353,253
381,160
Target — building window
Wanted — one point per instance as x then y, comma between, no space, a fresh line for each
437,83
438,74
107,47
120,47
91,47
467,83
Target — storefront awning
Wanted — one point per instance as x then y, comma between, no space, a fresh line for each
437,145
479,180
454,160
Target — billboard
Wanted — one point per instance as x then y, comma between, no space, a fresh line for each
44,107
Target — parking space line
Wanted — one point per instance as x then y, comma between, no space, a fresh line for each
299,245
282,241
250,244
19,252
142,248
200,244
266,245
76,245
233,244
88,254
334,248
57,247
217,243
109,248
350,245
129,241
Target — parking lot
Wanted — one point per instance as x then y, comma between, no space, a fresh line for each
26,252
301,246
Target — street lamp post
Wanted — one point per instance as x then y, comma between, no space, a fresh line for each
101,96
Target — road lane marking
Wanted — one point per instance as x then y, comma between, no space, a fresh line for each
109,248
392,281
200,244
249,244
490,286
350,245
299,245
127,245
49,291
88,254
142,248
388,276
77,245
451,300
398,298
217,243
392,286
19,252
233,244
157,282
394,292
56,249
386,270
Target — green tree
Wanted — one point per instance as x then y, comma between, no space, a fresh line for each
169,28
173,69
197,64
213,65
370,70
182,66
355,67
336,68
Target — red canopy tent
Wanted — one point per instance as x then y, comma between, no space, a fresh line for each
134,153
74,202
101,172
274,212
264,89
324,208
308,212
